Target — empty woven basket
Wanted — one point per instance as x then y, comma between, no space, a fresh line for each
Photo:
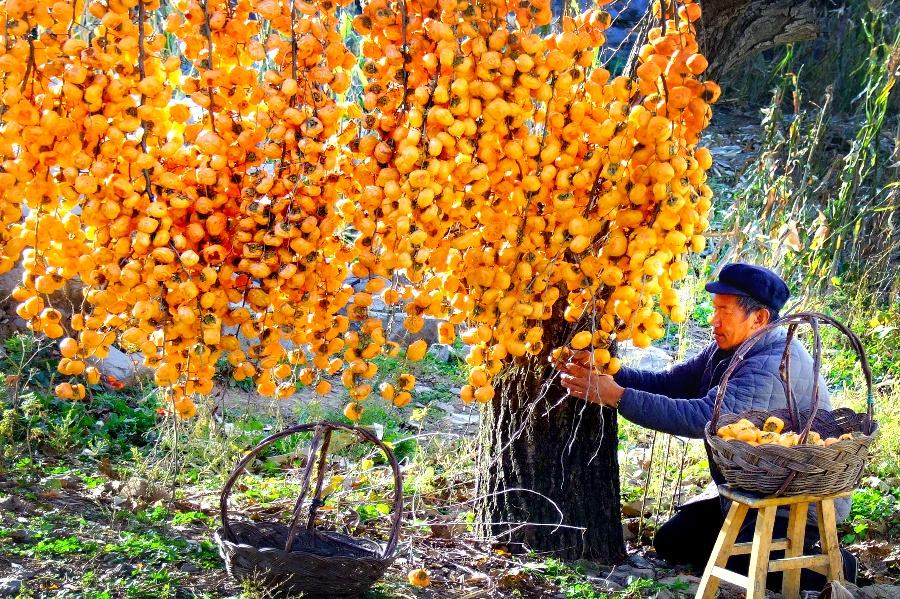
290,559
803,469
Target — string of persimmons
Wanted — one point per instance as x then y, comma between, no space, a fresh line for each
212,172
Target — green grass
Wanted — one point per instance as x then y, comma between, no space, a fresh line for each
573,582
60,547
872,508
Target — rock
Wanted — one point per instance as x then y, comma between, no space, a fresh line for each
10,504
141,489
650,358
442,405
663,594
394,324
624,574
627,534
126,368
639,561
441,352
10,587
465,419
188,567
20,535
605,585
21,572
875,591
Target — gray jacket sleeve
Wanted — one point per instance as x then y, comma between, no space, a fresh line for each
747,389
681,380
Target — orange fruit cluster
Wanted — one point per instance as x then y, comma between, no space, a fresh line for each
772,433
503,171
180,163
204,169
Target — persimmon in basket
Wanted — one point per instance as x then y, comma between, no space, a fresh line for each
771,434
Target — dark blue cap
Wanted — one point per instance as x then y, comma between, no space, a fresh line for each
750,280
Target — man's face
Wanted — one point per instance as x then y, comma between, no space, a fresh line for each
731,324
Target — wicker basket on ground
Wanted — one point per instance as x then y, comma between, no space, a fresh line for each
770,469
292,559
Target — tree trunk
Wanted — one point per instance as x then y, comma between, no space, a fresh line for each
731,31
545,460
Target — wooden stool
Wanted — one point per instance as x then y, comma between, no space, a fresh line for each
829,563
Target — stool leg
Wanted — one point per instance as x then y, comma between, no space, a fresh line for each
828,539
709,584
790,585
759,553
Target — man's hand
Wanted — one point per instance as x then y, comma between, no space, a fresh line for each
582,381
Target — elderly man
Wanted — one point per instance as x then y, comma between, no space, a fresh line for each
680,402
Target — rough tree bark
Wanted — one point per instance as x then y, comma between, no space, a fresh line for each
731,31
547,460
564,451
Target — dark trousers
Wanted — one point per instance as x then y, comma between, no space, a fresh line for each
689,536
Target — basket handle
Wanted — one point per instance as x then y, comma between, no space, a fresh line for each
793,320
783,371
327,428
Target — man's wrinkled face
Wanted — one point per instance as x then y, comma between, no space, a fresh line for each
731,324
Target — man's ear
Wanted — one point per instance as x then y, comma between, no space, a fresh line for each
762,317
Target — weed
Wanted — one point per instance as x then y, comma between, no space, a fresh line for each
61,547
185,518
872,506
155,549
572,581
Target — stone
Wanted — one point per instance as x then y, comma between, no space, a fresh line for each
20,535
141,489
441,352
638,561
10,587
605,585
126,368
876,591
442,405
10,504
650,358
465,419
393,325
21,572
625,574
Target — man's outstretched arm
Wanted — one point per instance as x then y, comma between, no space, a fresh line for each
681,380
747,389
